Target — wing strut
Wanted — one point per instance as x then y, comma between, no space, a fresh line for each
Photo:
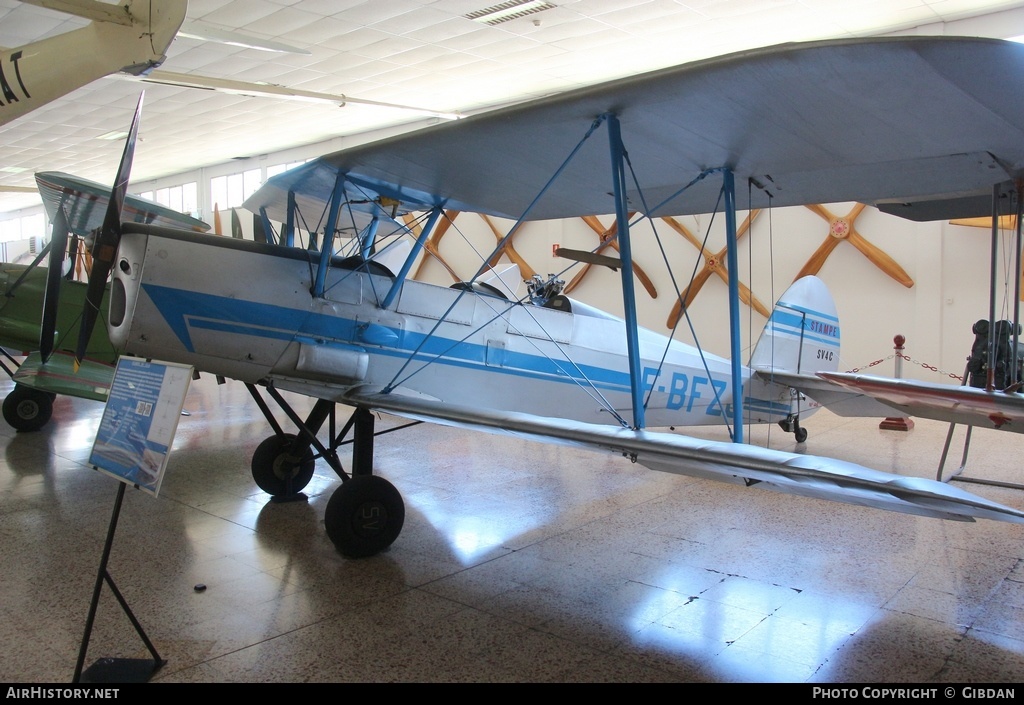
368,237
1015,379
729,188
289,226
327,247
51,294
626,252
993,264
425,232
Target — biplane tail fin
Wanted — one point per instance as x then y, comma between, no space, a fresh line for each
800,338
802,335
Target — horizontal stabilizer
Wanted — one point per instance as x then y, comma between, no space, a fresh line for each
942,402
806,475
839,400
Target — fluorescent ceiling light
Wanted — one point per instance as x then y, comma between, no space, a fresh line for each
503,12
114,135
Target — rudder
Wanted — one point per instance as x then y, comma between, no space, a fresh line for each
801,337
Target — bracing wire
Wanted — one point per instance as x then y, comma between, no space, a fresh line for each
646,209
580,378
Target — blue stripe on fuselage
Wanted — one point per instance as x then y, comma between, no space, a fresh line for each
188,310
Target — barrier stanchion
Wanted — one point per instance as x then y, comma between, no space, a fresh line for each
897,423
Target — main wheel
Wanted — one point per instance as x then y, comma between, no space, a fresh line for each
278,470
27,409
364,516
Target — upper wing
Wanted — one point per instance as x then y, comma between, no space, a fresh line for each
806,475
871,120
85,204
943,402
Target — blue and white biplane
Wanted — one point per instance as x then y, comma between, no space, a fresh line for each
903,123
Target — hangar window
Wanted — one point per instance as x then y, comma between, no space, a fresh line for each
22,237
281,168
184,198
23,228
231,191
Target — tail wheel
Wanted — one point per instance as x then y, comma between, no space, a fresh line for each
27,409
364,516
278,470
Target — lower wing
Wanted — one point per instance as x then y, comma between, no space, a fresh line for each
57,376
807,475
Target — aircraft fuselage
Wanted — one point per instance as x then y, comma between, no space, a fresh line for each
244,310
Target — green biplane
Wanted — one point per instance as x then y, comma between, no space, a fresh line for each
76,207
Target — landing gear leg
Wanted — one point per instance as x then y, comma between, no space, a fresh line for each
365,515
792,424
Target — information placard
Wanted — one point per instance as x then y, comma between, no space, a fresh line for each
139,421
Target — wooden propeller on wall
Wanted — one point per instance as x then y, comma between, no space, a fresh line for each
507,249
713,263
842,228
432,245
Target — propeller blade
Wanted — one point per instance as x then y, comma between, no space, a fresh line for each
259,234
576,280
880,259
527,271
54,274
236,225
687,296
816,261
613,263
822,211
104,249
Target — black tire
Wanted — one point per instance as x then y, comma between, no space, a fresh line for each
364,516
277,470
27,409
800,434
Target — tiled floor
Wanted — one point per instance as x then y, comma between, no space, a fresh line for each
518,562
